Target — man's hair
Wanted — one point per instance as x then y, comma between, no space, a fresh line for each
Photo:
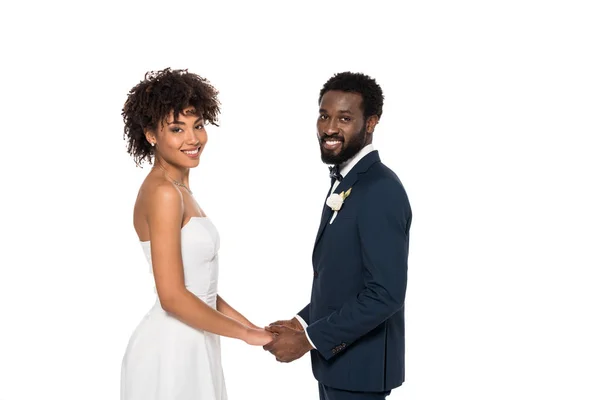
356,82
153,99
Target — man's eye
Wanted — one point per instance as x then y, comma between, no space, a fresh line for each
323,117
346,119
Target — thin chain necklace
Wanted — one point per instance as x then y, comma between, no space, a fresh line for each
175,181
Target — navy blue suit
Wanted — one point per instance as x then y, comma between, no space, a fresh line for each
356,313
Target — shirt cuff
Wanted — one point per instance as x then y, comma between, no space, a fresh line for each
304,325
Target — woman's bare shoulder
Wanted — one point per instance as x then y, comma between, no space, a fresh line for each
155,196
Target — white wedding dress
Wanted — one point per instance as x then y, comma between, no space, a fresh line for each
165,358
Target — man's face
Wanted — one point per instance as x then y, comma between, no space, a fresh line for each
341,127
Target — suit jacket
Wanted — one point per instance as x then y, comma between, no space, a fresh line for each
356,313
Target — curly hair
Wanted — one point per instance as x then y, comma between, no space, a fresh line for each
153,99
356,82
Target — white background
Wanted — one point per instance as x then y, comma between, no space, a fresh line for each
490,120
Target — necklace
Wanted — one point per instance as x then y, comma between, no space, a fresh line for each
175,181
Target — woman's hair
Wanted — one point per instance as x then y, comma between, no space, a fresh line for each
153,99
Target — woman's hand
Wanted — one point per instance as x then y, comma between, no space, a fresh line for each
258,337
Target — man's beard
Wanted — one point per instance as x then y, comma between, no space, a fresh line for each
349,148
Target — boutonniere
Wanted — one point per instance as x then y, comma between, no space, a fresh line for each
335,201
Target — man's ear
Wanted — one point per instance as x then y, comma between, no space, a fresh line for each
371,122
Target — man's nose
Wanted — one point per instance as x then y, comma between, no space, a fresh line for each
332,127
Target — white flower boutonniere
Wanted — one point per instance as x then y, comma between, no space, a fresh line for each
335,201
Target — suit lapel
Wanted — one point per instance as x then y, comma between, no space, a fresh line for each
325,215
349,180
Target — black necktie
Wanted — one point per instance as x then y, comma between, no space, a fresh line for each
334,173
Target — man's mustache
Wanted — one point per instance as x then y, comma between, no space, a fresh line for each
323,138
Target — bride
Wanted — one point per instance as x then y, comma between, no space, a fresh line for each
174,353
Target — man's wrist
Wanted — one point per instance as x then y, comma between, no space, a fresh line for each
299,322
307,344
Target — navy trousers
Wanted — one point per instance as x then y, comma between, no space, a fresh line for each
328,393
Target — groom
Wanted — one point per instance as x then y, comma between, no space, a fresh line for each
354,323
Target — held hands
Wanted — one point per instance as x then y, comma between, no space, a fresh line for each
290,341
258,336
289,323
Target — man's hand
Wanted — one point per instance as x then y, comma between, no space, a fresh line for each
289,323
289,344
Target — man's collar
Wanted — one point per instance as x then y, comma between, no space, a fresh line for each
348,165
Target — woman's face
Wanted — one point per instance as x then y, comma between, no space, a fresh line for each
180,142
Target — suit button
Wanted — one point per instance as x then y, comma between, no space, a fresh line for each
315,273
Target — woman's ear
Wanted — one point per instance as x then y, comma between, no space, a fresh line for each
150,137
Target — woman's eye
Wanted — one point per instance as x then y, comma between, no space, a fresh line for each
200,126
176,130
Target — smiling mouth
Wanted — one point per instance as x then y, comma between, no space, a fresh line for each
331,144
192,152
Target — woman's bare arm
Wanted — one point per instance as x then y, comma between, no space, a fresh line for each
225,308
164,220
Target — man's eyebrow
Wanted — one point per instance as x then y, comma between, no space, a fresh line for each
323,111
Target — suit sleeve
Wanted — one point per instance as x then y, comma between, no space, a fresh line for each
383,226
304,314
